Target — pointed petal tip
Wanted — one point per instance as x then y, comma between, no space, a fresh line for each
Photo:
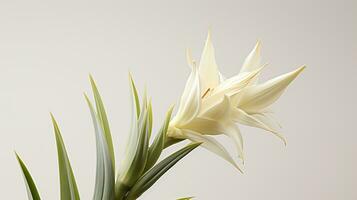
209,32
238,168
302,68
296,72
209,36
282,138
190,61
258,45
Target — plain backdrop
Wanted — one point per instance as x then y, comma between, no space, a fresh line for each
48,49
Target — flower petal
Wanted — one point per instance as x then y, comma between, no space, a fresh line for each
234,133
212,145
253,60
229,87
189,58
208,69
206,126
242,117
219,111
258,97
190,100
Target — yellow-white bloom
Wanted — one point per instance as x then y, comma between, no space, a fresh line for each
212,105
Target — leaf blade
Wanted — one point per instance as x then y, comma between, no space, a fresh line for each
102,115
158,144
105,175
186,198
32,191
151,176
68,183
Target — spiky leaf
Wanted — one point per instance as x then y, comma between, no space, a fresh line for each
186,198
105,174
103,119
30,184
69,190
158,144
137,151
151,176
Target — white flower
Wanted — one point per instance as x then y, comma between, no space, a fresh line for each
212,105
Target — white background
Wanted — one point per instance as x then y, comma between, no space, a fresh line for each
47,50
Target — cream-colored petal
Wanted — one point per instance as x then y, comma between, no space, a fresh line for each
237,82
205,126
258,97
242,117
212,145
229,87
218,120
190,61
253,60
208,69
219,111
268,119
221,77
234,133
190,100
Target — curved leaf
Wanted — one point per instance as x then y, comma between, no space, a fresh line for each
30,184
105,174
103,119
151,176
158,144
186,198
69,190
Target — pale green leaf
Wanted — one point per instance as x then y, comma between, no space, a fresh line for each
137,149
103,119
30,184
186,198
158,144
105,174
135,96
151,176
69,190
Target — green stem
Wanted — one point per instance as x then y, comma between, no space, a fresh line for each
171,141
121,191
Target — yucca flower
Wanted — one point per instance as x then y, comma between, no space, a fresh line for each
212,105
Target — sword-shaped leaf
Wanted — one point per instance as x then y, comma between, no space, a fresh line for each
30,184
105,175
186,198
103,119
158,144
137,148
69,190
151,176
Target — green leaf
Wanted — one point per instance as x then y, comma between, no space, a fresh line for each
105,174
150,118
158,144
151,176
69,190
30,184
135,96
137,149
186,198
103,119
